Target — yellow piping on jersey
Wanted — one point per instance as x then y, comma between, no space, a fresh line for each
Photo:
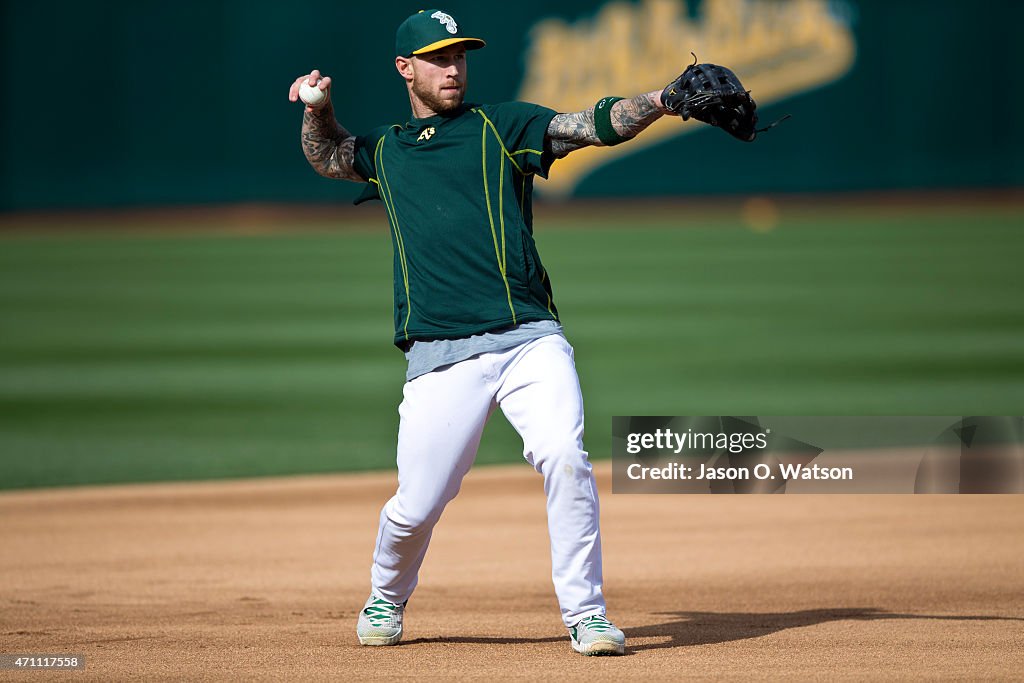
502,143
501,217
389,204
527,151
544,276
499,255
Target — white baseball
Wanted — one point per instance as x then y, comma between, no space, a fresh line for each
311,94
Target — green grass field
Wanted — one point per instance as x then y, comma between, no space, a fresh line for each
187,356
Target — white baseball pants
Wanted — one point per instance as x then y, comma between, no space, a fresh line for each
442,418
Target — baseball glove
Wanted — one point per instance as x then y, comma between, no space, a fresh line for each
713,94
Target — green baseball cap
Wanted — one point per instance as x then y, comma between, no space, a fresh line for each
428,30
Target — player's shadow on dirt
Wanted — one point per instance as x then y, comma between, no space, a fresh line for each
705,628
687,629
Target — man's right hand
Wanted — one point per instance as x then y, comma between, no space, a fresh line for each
315,80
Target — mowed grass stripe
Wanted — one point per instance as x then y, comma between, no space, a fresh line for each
179,357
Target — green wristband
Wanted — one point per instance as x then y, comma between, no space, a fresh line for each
603,121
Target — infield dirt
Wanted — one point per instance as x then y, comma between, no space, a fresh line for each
262,580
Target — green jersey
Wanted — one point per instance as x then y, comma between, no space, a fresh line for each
457,189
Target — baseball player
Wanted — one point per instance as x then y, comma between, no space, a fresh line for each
474,308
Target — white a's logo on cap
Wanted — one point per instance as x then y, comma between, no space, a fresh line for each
447,20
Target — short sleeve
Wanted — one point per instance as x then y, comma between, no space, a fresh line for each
363,163
523,128
366,145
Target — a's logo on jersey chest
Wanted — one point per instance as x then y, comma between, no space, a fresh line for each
427,133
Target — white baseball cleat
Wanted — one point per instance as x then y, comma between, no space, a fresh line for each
595,635
380,622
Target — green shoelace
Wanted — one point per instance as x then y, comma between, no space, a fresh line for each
597,623
380,612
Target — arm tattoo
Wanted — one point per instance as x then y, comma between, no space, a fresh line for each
329,148
568,132
629,117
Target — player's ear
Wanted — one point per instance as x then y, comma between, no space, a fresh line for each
404,66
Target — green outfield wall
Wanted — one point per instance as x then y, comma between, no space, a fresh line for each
121,103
